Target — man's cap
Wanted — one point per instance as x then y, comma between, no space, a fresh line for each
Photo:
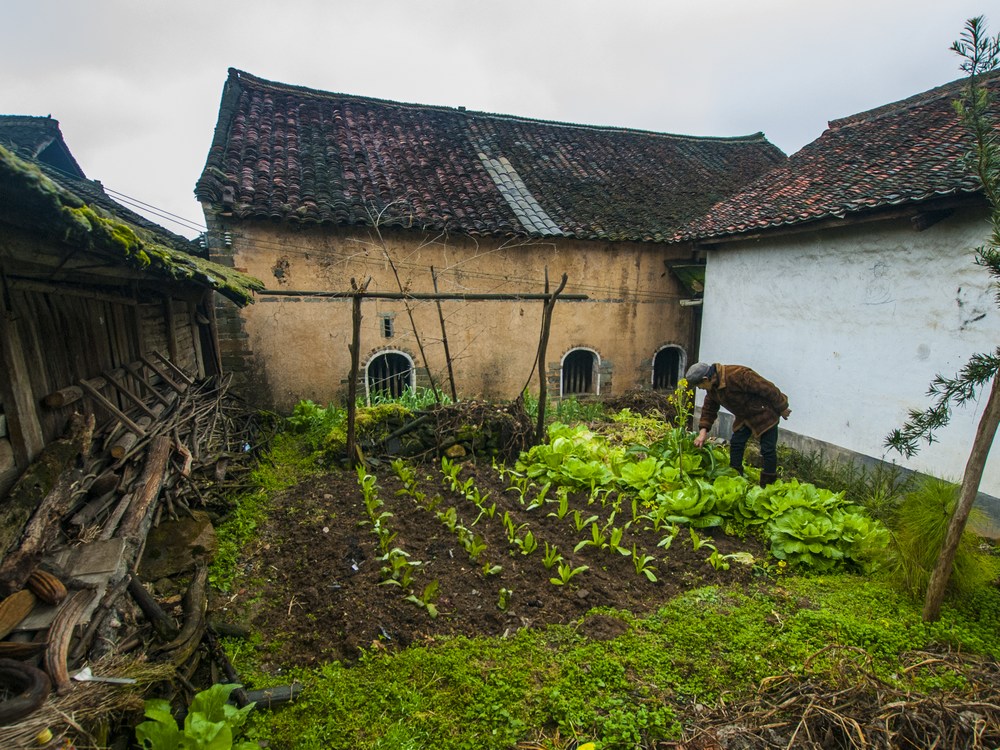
698,372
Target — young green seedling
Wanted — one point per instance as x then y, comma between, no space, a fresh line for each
597,539
697,542
503,599
580,522
552,556
669,538
643,564
527,543
449,518
539,500
563,508
426,599
566,573
491,570
614,541
475,545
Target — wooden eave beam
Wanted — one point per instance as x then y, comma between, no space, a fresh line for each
415,295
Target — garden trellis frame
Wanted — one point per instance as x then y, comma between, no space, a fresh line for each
357,294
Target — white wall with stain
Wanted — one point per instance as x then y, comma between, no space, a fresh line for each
854,323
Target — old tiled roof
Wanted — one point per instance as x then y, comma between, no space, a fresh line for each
294,154
69,210
38,139
902,153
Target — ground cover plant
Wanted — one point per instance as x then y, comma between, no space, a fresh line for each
611,585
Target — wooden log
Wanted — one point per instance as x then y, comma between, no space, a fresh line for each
121,447
38,481
111,525
90,511
44,525
160,620
63,397
135,524
99,614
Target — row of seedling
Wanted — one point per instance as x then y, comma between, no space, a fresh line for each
397,566
474,544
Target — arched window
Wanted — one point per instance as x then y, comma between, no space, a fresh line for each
579,373
389,374
667,366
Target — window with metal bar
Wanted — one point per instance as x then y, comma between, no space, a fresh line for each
389,374
578,370
667,368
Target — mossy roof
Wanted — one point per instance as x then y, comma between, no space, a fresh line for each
79,214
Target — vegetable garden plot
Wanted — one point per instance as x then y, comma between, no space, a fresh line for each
407,553
315,586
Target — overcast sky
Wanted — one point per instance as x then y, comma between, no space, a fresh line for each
136,84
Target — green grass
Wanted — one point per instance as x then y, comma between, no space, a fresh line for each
709,645
556,688
286,462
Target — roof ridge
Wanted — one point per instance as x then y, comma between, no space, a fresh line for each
46,118
938,92
242,76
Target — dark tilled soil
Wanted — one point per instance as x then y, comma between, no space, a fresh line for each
311,581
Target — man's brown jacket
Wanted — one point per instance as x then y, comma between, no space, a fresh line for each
754,401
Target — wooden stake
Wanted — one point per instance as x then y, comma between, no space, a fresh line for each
444,339
543,343
352,382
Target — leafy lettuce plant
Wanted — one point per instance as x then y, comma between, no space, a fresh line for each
807,537
210,723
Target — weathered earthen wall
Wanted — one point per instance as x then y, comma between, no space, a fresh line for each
290,348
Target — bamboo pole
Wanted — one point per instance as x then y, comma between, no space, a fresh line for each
543,343
352,382
444,339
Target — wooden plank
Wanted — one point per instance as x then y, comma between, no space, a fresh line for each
118,413
199,357
128,394
168,314
133,369
213,328
25,428
163,375
174,368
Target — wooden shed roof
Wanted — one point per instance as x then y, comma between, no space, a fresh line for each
100,239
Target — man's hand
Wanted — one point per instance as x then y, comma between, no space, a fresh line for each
701,438
786,413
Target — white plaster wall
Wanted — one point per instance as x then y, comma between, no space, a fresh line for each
853,324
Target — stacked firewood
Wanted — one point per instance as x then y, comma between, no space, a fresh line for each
111,485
